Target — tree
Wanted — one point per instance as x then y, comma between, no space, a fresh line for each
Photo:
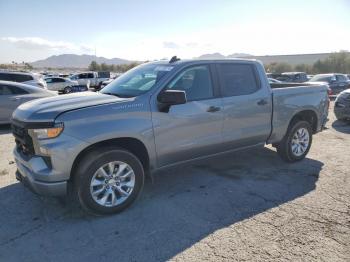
105,67
336,62
278,68
303,68
94,66
28,66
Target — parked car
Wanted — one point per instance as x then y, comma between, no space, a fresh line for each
13,94
104,83
25,78
155,116
342,105
309,77
60,84
337,82
91,79
295,77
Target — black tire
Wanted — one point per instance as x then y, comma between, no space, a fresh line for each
87,168
68,90
284,148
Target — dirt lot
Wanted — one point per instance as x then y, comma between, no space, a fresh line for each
243,206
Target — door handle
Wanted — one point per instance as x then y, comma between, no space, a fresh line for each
15,98
262,102
213,109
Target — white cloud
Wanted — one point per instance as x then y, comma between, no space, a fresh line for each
170,45
37,43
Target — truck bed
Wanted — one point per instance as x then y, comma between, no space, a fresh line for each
291,98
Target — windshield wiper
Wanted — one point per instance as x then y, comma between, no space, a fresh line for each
118,95
111,94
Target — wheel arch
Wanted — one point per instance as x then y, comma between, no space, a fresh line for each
307,115
134,145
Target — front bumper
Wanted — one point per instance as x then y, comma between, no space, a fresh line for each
26,174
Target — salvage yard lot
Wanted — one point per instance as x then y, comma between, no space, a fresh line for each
242,206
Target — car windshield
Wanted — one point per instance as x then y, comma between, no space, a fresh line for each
137,81
321,78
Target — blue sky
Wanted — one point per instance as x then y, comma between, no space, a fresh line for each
139,30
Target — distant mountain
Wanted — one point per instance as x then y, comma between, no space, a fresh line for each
76,61
212,56
308,59
238,55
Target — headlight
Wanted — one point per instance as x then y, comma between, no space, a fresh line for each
46,133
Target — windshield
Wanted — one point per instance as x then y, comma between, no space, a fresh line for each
322,78
137,81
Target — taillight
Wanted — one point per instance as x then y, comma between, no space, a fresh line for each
329,92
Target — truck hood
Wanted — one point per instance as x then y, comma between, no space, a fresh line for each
47,109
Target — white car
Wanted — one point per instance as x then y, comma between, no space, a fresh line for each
91,79
60,84
24,78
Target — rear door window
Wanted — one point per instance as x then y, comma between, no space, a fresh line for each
83,76
341,78
11,90
4,90
17,90
21,78
237,79
5,77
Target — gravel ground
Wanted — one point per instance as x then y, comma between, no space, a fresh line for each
243,206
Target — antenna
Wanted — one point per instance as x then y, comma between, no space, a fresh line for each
174,59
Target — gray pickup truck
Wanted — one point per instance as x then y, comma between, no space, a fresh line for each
100,146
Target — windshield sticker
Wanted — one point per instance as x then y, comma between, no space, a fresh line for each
163,68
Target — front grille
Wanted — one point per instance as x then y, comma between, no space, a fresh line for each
24,142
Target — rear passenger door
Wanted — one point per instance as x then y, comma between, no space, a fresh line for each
59,84
10,99
193,129
247,105
342,83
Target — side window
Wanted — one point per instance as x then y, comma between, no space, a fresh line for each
22,78
48,80
90,75
5,77
82,76
56,80
237,79
17,90
195,81
341,78
11,90
4,90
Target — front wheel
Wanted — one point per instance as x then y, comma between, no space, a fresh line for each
109,180
296,143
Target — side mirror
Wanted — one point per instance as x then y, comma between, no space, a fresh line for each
168,98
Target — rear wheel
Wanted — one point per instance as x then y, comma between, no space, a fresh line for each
68,89
296,143
109,180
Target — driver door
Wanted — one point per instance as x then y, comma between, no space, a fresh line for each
193,129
